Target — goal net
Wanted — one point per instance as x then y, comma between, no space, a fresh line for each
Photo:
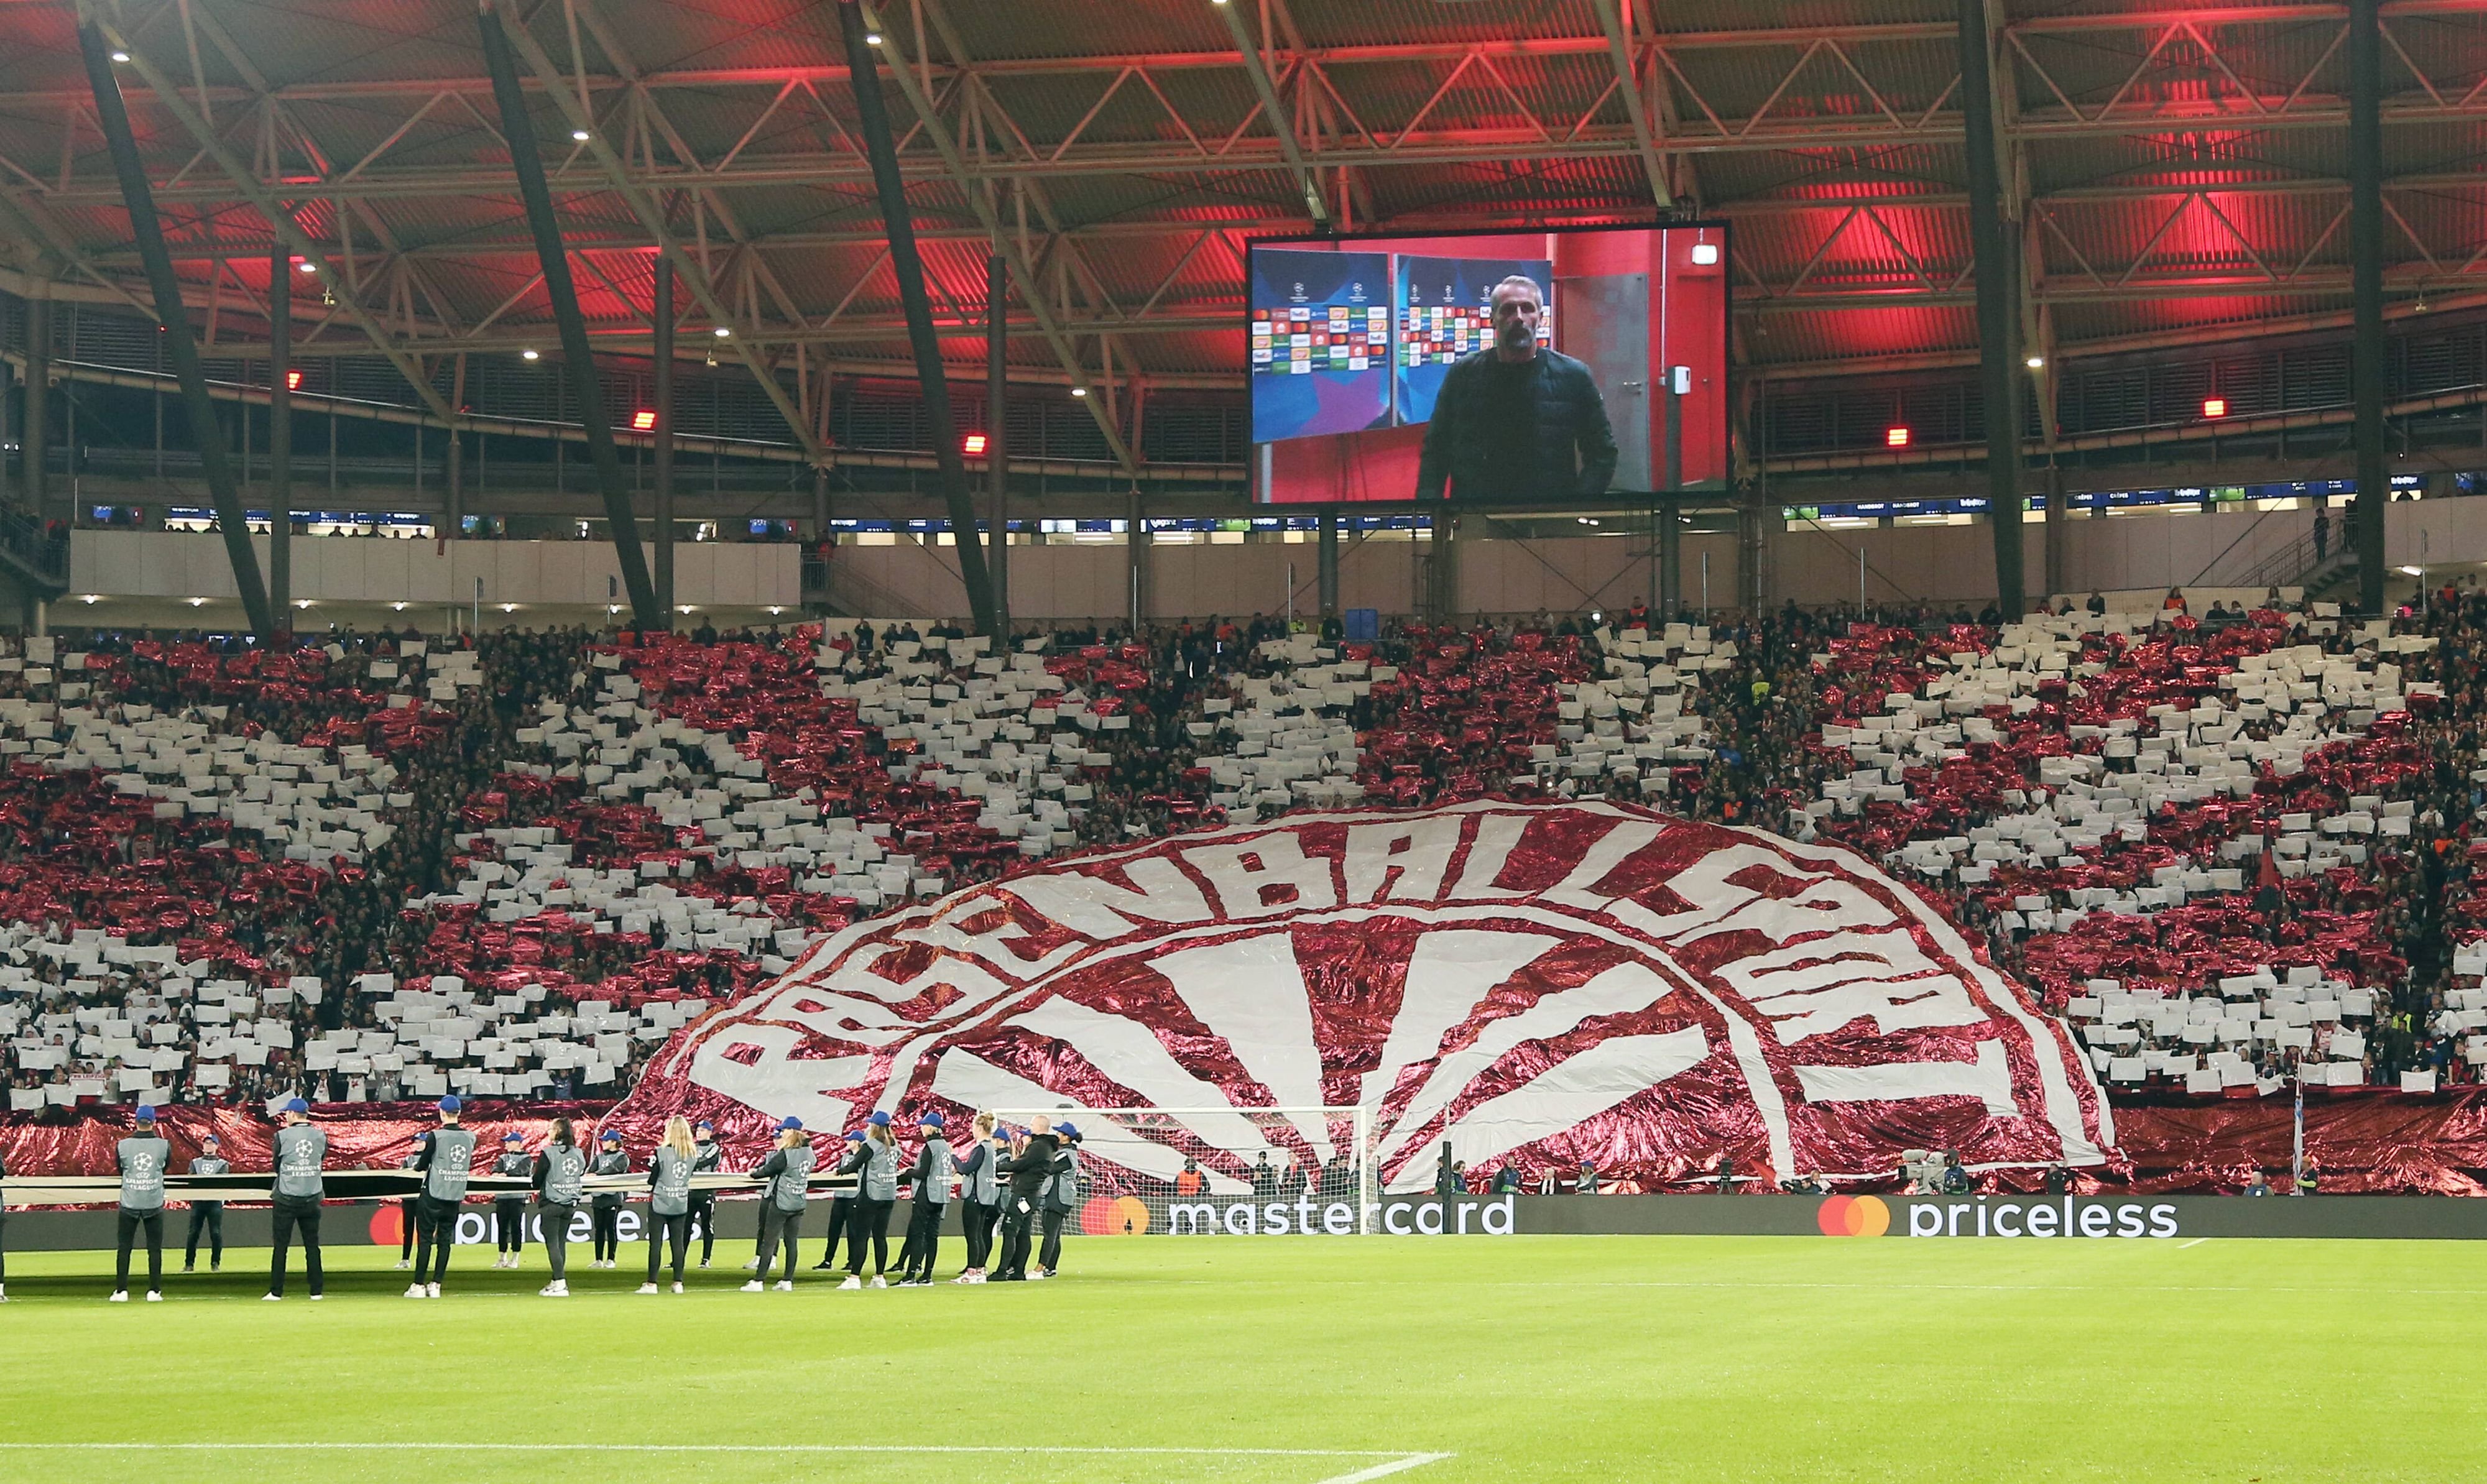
1240,1171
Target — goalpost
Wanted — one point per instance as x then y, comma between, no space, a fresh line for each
1184,1171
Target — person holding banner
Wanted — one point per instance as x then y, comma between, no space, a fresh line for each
876,1193
143,1159
448,1159
301,1153
1028,1170
788,1171
841,1203
509,1210
707,1159
669,1199
1061,1198
560,1175
605,1209
208,1216
980,1196
407,1206
932,1180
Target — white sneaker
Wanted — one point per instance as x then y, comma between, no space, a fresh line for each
852,1282
316,1297
272,1297
647,1288
979,1278
878,1281
401,1265
755,1286
120,1298
752,1266
553,1291
785,1286
414,1289
432,1290
1039,1276
677,1288
703,1262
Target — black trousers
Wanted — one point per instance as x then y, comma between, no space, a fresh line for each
1018,1213
923,1239
979,1225
606,1234
510,1225
408,1208
435,1230
127,1229
1048,1254
287,1216
867,1217
3,1247
841,1215
777,1227
674,1229
555,1220
207,1215
704,1217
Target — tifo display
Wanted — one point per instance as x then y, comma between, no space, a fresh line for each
1626,906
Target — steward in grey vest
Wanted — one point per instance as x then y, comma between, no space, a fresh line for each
207,1215
142,1158
301,1153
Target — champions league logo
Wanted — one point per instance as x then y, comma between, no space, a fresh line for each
1532,985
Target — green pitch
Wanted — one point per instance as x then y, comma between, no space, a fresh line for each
1277,1362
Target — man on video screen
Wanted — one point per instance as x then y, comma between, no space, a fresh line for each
1517,421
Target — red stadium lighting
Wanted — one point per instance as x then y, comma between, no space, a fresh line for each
975,444
294,380
2215,406
643,420
1896,438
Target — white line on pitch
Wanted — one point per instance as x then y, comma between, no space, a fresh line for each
2196,1241
1398,1460
1396,1465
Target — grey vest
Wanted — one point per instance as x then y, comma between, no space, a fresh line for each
209,1164
301,1152
617,1162
512,1164
1062,1191
935,1191
565,1169
452,1159
788,1190
880,1171
671,1189
144,1158
980,1187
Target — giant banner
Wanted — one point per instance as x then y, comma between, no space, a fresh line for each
1542,985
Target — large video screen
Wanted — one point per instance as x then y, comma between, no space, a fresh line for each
1611,377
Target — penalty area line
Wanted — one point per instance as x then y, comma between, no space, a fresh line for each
2196,1241
1394,1461
1395,1466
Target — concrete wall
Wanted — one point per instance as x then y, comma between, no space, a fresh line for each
181,565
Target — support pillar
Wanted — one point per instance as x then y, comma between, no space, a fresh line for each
1999,312
35,436
1136,544
2059,538
1328,564
578,357
280,439
1669,542
863,76
138,201
661,389
2366,296
453,500
997,428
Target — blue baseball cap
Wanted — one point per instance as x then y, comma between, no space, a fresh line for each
448,1105
854,1135
931,1120
789,1124
209,1138
879,1120
703,1125
514,1136
146,1112
296,1106
609,1136
1066,1131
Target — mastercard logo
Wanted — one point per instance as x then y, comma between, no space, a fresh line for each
1853,1216
1114,1216
388,1226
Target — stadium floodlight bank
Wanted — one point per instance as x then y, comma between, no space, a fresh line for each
1194,1171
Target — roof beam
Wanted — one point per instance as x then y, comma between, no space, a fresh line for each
1627,82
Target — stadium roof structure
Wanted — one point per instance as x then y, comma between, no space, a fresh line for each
2179,171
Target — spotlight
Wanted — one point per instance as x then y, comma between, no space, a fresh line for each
872,38
578,134
1080,391
306,266
92,597
120,56
724,331
2035,362
531,355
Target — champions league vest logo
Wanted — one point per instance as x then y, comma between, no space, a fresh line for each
1539,984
